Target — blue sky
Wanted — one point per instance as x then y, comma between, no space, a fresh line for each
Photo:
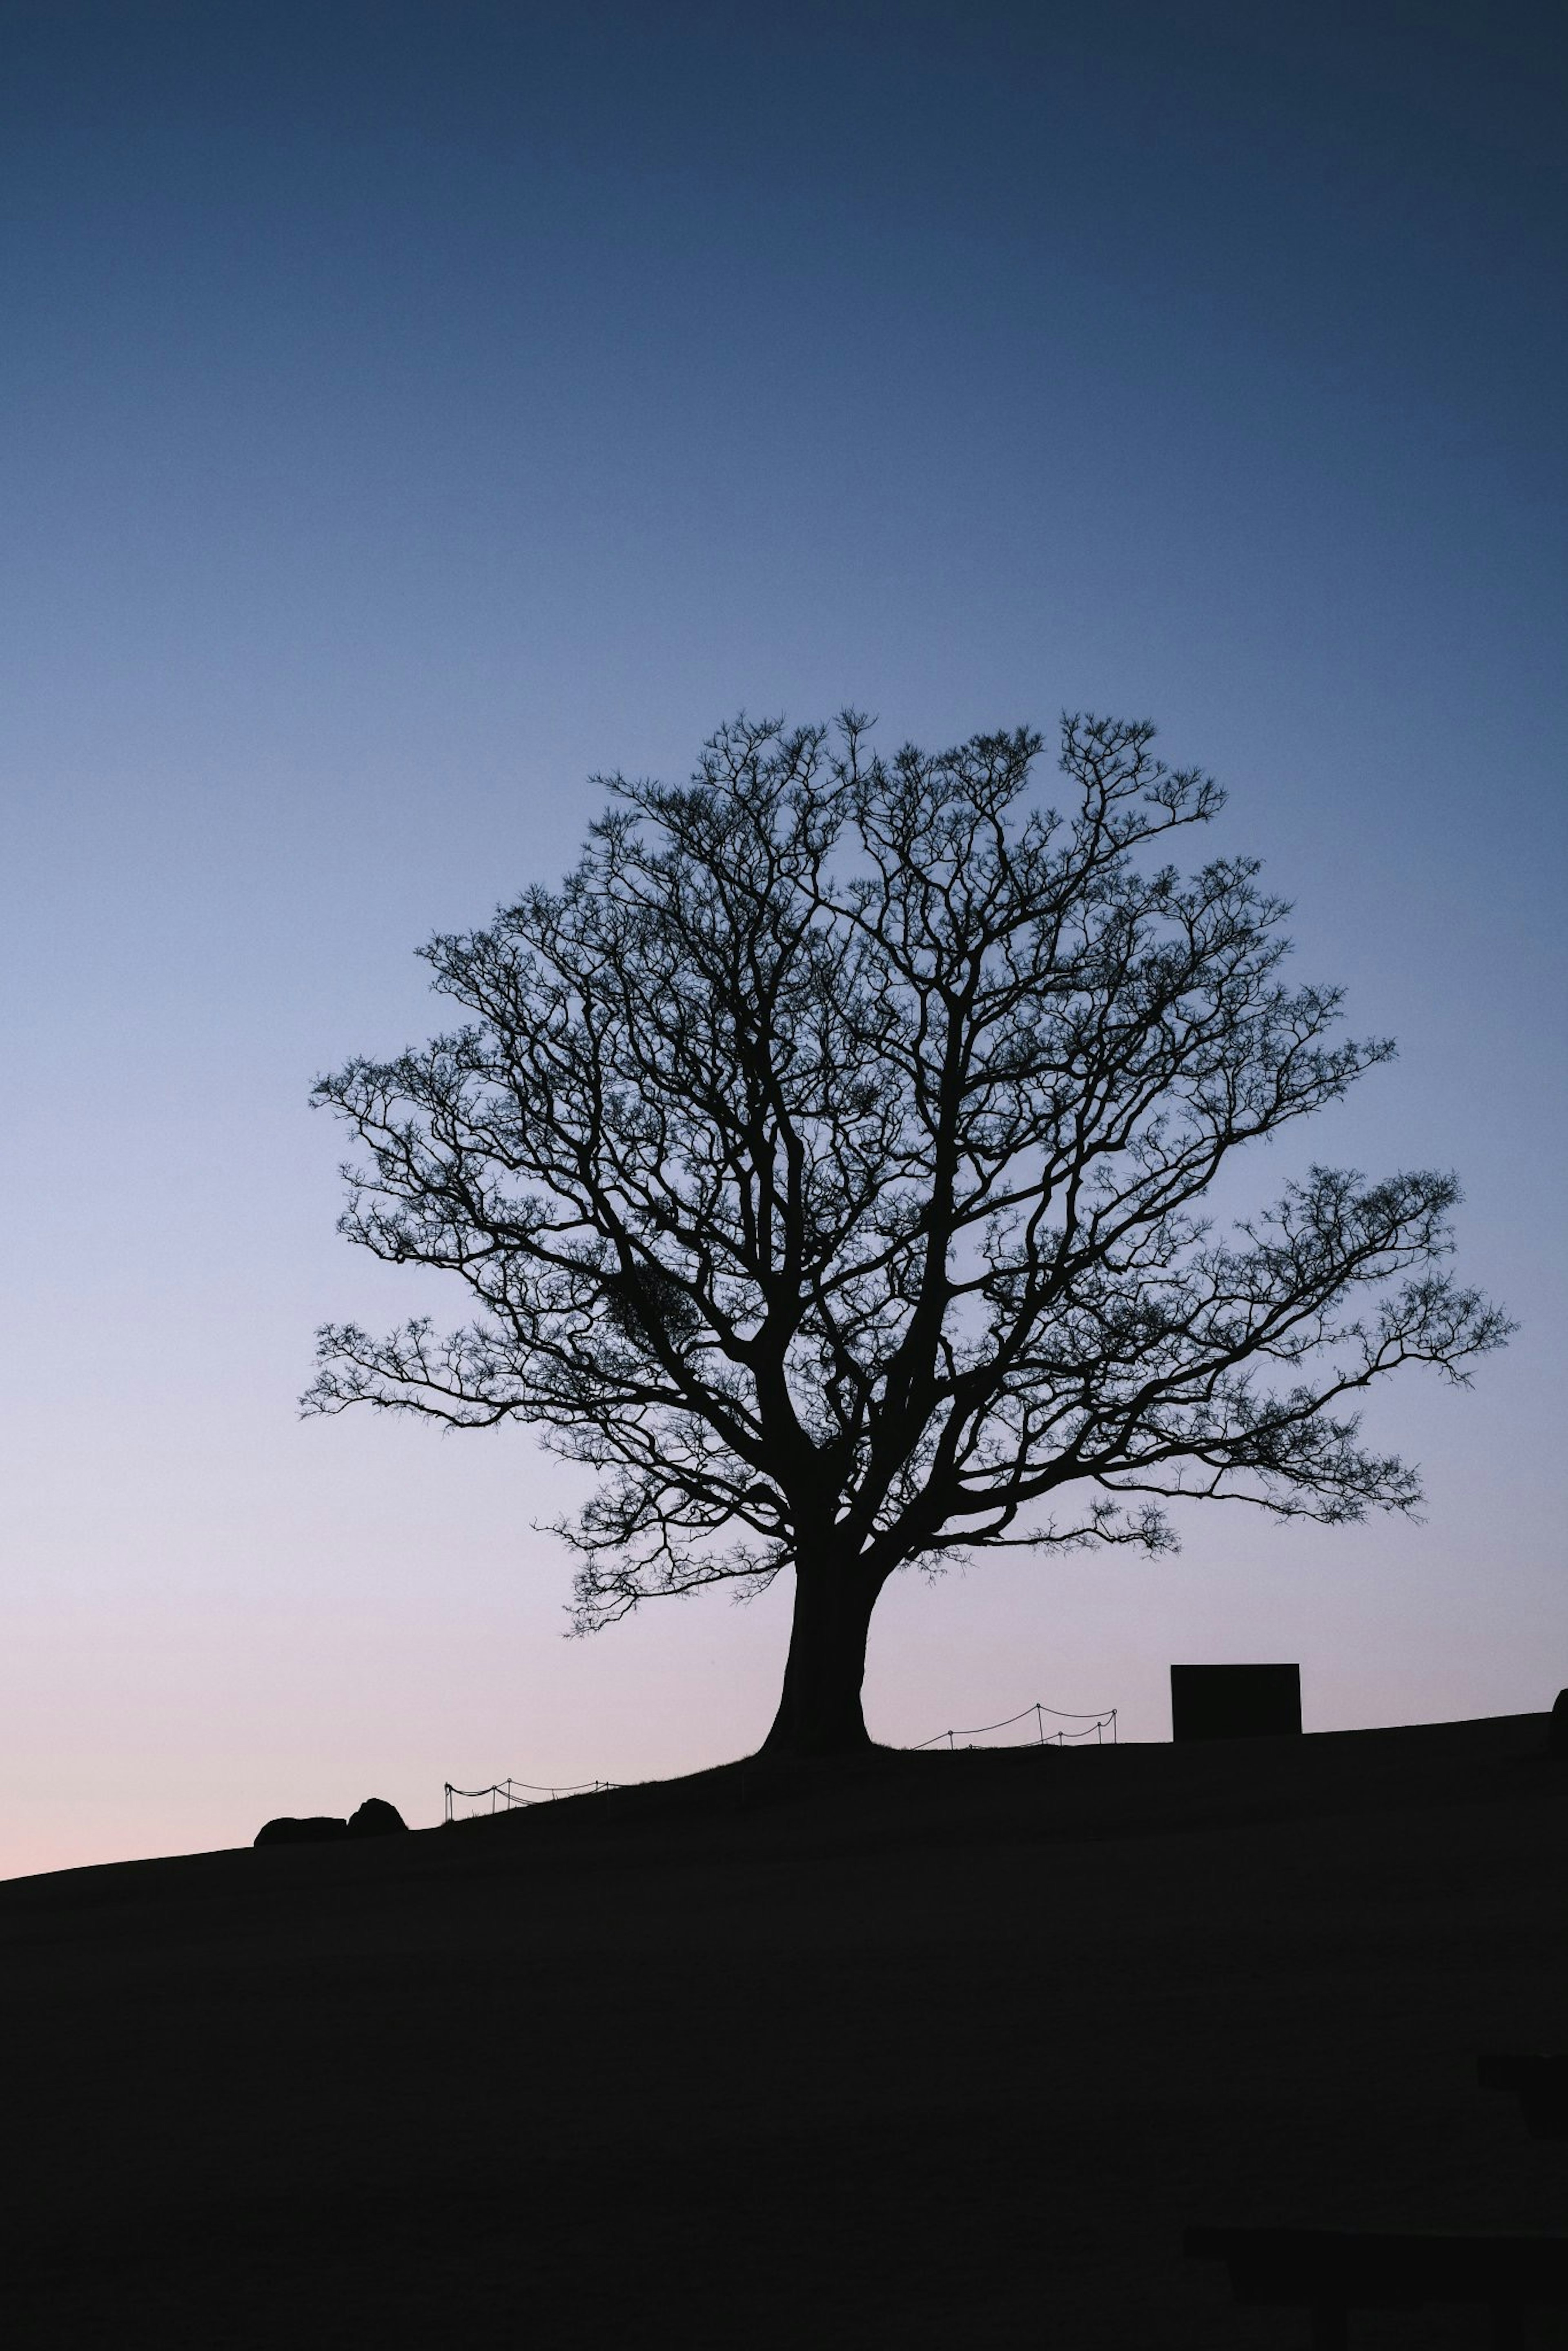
409,411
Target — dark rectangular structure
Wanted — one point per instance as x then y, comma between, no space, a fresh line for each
1235,1701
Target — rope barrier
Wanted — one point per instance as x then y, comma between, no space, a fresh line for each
514,1794
1093,1722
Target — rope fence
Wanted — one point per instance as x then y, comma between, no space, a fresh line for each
1094,1725
510,1795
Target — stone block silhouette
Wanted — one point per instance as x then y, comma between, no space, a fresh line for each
1235,1701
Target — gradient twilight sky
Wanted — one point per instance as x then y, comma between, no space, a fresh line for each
412,409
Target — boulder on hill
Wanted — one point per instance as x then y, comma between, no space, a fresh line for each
1557,1737
376,1817
318,1830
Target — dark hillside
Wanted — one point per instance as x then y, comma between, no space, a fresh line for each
936,2050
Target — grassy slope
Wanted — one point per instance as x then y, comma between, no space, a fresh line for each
943,2049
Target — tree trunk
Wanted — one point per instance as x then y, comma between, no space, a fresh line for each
820,1709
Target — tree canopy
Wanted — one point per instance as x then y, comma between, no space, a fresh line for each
826,1163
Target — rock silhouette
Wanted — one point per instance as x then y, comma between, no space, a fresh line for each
376,1817
319,1829
1557,1737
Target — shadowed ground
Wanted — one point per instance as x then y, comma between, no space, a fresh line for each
927,2050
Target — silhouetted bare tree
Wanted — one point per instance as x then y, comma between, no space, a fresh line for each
825,1160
